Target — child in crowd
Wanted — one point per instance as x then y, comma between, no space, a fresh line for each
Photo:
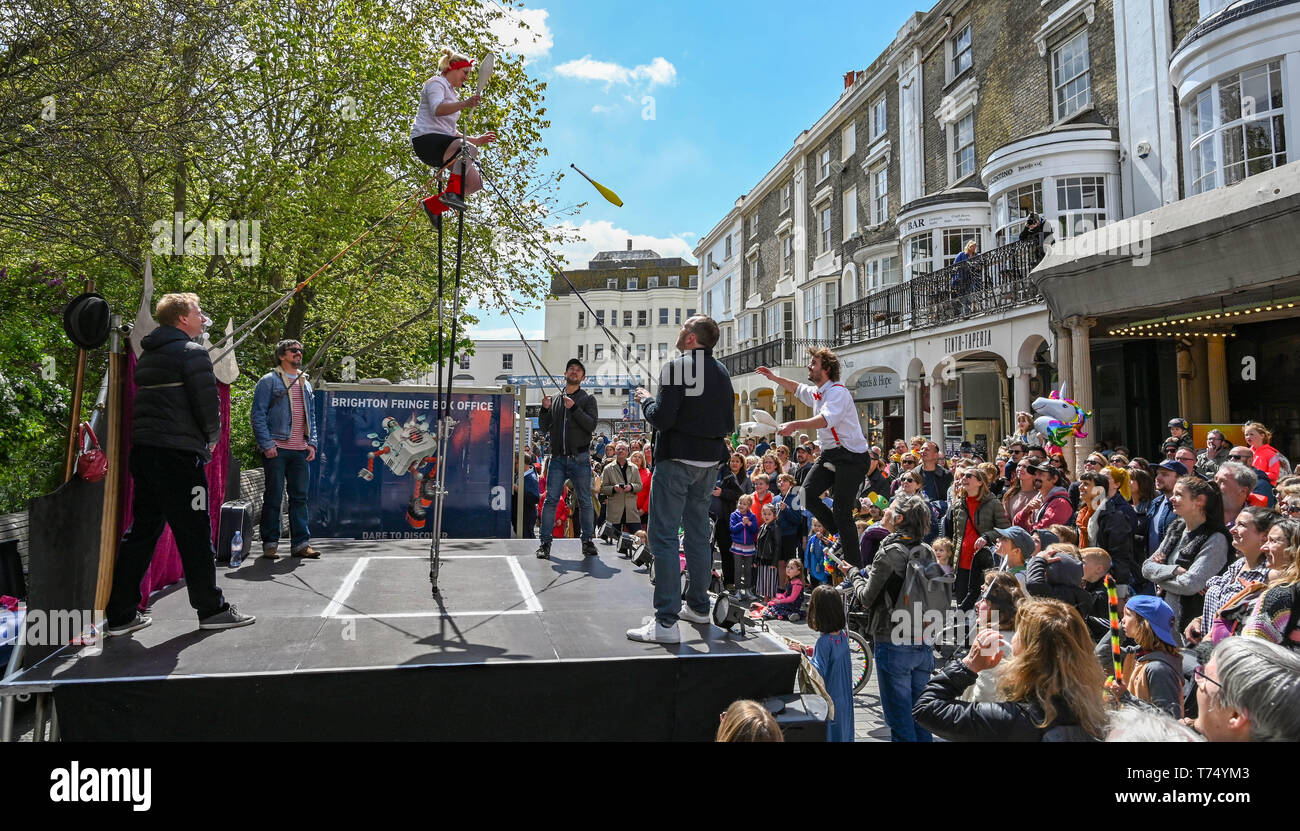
767,550
1153,669
943,553
813,560
831,658
790,600
744,533
762,492
748,721
1065,533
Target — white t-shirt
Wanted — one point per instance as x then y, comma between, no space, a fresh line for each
834,401
435,91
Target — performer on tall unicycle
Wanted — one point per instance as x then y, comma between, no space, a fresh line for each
436,140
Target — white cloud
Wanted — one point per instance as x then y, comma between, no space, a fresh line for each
659,72
601,235
600,109
523,32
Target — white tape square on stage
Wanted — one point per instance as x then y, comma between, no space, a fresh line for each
531,604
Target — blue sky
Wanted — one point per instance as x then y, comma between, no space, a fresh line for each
681,107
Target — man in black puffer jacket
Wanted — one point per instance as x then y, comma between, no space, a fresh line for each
175,424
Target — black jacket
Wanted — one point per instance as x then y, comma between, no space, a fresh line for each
732,486
176,402
1111,530
767,547
693,410
1063,581
939,711
569,427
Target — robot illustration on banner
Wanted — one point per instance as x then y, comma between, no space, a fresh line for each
1059,418
407,448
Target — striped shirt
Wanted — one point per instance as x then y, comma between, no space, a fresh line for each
298,419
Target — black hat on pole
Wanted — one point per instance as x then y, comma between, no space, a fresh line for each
86,320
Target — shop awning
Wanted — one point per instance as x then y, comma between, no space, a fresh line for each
1237,244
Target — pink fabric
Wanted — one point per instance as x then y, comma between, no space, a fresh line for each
165,569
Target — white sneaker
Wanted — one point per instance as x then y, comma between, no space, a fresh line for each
689,614
652,632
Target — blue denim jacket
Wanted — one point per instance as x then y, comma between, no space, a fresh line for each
270,415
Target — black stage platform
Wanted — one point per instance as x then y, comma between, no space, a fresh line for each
353,647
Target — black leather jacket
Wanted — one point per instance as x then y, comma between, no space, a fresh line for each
939,711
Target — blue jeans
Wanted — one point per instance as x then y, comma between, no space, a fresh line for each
679,498
290,466
578,469
902,671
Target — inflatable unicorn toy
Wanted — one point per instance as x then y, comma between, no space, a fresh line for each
1059,418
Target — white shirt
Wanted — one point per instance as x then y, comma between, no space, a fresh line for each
834,402
435,91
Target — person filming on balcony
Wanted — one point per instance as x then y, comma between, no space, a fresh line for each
965,278
842,465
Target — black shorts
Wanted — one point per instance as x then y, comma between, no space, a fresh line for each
431,148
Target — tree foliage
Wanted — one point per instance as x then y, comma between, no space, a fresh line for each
118,117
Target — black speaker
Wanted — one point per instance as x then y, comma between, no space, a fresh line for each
12,580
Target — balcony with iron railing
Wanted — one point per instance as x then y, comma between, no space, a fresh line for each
778,352
989,282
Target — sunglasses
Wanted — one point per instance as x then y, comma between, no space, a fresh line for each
908,463
1238,458
1017,452
1289,507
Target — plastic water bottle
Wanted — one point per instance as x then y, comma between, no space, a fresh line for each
236,549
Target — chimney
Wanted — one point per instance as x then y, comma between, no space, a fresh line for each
629,245
849,78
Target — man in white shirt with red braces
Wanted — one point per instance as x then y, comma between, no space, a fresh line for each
843,463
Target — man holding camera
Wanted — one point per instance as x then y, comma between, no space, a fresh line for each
569,419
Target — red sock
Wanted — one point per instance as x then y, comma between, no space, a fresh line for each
434,205
453,185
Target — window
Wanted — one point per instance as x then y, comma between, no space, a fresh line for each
727,256
877,274
848,141
1082,203
920,255
674,281
641,317
771,322
787,255
652,282
678,316
963,147
690,313
632,283
879,118
690,282
613,317
663,351
582,320
581,348
753,225
1072,76
726,295
742,329
850,215
1209,7
961,51
627,319
825,235
1015,207
640,351
787,191
890,271
600,317
729,341
663,317
599,352
750,281
824,163
1236,126
787,320
612,284
708,304
507,360
954,239
880,206
464,361
819,304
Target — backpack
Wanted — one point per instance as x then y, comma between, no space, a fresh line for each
921,609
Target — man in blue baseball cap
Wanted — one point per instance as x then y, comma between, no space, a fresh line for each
1161,511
